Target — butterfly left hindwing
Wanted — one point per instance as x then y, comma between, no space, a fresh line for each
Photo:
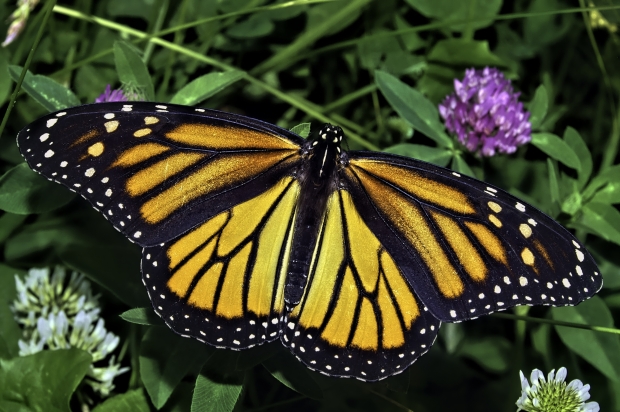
223,281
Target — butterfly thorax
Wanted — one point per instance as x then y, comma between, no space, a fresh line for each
318,181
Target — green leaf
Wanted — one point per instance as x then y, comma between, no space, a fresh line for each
142,316
459,165
603,220
448,10
23,191
131,69
44,381
538,107
557,149
302,129
214,396
576,143
609,194
554,187
205,86
412,106
258,25
609,175
435,155
601,350
293,375
165,358
492,353
130,401
120,274
464,53
50,94
8,223
11,332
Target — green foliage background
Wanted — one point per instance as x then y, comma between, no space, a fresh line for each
378,68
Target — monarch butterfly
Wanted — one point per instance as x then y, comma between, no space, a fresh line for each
252,234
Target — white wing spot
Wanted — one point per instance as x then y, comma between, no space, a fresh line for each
89,172
108,116
566,283
523,281
453,313
51,122
44,137
49,153
579,271
137,234
422,331
105,180
520,207
63,164
61,114
456,174
507,280
497,289
549,285
576,244
580,255
481,296
108,192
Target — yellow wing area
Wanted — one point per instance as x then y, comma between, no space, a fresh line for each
232,265
356,296
430,232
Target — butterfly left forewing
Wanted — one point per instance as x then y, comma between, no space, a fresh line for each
472,249
149,168
358,316
223,282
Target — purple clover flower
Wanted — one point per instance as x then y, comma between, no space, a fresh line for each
485,114
110,95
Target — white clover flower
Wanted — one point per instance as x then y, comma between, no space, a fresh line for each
553,394
59,314
40,294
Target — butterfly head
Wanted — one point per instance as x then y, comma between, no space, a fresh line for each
324,151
